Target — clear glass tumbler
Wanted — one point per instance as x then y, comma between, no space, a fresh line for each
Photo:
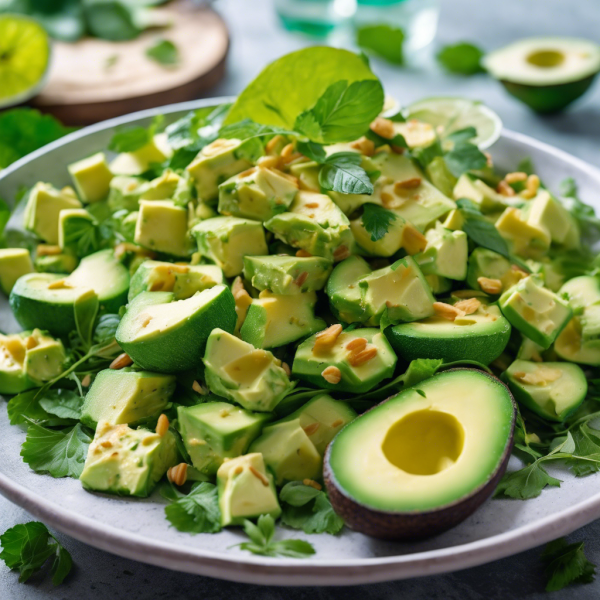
316,18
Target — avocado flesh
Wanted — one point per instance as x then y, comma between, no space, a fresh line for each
14,263
547,74
581,292
418,453
572,345
553,390
481,336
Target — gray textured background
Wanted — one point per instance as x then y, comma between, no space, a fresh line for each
256,39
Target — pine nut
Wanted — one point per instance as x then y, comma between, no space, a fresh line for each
505,189
364,146
312,483
273,142
122,361
162,426
332,375
327,338
407,184
259,475
340,253
357,344
447,311
515,176
490,286
356,359
468,306
413,241
303,253
178,474
383,127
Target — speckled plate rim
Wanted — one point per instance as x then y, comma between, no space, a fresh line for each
273,571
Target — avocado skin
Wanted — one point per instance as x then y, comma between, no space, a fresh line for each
548,99
405,526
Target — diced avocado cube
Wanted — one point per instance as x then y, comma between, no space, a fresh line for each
454,220
126,397
529,350
246,490
553,390
321,418
43,209
65,262
161,188
288,452
399,291
536,312
546,213
471,188
124,192
445,254
28,360
162,226
530,240
244,374
214,431
389,244
344,293
357,369
287,275
91,177
258,193
439,174
438,285
128,224
226,240
581,292
126,461
75,224
491,265
307,173
274,320
157,150
315,224
214,164
416,133
590,324
183,280
14,262
579,341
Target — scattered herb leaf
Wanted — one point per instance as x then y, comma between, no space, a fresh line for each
463,58
196,512
342,173
377,220
566,564
164,52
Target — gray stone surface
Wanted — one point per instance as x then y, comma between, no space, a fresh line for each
255,41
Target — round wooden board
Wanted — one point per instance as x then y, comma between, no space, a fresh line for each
93,80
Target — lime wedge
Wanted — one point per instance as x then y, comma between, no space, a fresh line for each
24,59
452,114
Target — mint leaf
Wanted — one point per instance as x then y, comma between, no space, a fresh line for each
65,404
164,52
343,113
377,220
312,150
248,129
463,58
526,483
464,157
342,173
566,564
480,230
105,330
27,547
58,453
196,512
383,40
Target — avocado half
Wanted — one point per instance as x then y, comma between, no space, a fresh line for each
546,73
414,500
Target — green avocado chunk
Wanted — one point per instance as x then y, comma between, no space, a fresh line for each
29,359
47,300
244,374
65,262
536,312
553,390
126,461
166,335
183,280
246,490
124,192
359,368
287,275
14,263
581,292
126,396
480,336
162,226
214,431
491,265
274,320
579,341
92,177
486,198
445,254
345,296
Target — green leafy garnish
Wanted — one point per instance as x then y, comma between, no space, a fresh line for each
113,20
566,564
308,509
86,308
58,453
65,404
27,547
342,173
589,223
464,157
463,58
164,52
134,138
26,405
383,40
462,135
377,220
196,512
312,150
261,536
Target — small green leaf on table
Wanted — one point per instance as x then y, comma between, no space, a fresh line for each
164,52
462,58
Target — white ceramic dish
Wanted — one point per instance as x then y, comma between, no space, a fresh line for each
137,529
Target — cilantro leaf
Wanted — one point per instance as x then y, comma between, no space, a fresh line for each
26,405
65,404
261,540
164,52
588,222
134,138
464,157
86,308
586,445
296,493
58,453
27,547
343,113
196,512
526,483
342,173
463,58
383,40
377,220
566,564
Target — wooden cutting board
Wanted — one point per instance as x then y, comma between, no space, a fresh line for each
93,80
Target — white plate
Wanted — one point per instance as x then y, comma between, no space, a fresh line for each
137,529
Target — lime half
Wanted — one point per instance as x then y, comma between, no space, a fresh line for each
24,59
448,115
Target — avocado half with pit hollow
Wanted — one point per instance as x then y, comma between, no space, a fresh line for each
424,460
546,73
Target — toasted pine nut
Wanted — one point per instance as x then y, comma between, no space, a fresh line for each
237,286
312,205
326,339
356,359
332,375
341,252
387,199
312,428
106,444
364,146
287,151
199,389
383,127
357,344
447,311
490,286
162,425
337,423
532,185
48,250
468,306
407,184
303,253
269,162
178,474
312,483
85,382
286,368
59,284
505,189
123,360
413,241
259,475
299,281
273,142
515,176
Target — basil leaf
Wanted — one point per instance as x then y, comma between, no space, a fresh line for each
342,173
312,150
